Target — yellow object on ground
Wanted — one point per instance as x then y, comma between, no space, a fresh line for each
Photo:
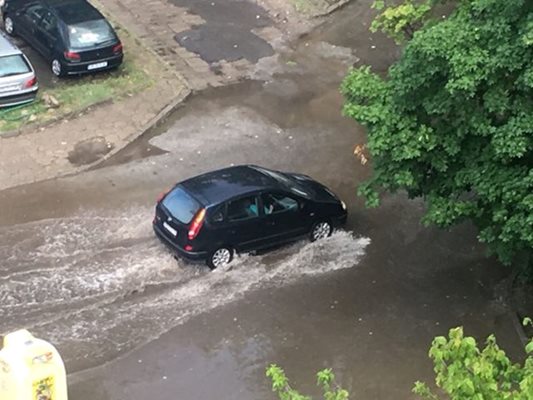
31,369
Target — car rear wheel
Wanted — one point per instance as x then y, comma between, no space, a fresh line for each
9,26
220,257
321,230
57,67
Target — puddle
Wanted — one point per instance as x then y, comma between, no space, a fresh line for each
220,37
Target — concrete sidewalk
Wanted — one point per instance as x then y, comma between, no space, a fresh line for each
39,153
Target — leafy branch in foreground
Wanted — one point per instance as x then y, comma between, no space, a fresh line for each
325,379
465,372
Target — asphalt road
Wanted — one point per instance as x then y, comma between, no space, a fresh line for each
82,268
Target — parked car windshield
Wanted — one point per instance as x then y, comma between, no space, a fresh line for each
181,205
90,33
13,65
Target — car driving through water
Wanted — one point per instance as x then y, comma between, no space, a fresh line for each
241,209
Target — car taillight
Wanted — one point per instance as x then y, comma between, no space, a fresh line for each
196,224
72,56
117,48
30,82
162,195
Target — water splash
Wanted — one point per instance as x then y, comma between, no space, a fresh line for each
101,285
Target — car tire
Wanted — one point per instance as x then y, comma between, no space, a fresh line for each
320,230
57,68
9,25
219,257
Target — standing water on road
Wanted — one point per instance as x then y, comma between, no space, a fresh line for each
98,285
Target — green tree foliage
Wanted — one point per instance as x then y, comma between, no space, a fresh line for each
402,20
464,372
453,119
325,379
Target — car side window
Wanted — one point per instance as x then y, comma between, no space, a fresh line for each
49,23
245,208
35,12
218,216
274,203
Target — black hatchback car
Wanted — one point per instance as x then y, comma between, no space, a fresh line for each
243,208
72,35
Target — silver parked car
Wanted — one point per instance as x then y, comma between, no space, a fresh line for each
18,83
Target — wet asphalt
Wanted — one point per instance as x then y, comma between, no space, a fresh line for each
82,268
227,31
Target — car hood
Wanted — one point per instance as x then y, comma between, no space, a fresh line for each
319,192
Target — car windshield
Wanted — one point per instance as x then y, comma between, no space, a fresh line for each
292,184
90,33
181,205
13,65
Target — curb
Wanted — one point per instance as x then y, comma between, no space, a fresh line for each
151,124
332,8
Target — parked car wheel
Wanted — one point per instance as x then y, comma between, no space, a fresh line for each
9,26
220,257
321,230
57,67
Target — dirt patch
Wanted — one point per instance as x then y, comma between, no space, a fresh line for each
89,150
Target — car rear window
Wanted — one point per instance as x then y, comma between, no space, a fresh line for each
13,65
181,205
90,33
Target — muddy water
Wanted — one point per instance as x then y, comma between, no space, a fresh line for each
81,266
98,285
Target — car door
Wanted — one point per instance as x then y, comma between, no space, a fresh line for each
29,18
244,224
47,34
284,216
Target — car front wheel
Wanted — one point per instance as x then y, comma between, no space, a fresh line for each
9,26
220,257
321,230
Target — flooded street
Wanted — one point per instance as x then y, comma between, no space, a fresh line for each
82,268
100,285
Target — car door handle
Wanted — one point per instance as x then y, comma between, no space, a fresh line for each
271,223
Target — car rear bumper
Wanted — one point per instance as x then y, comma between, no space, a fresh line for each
17,99
189,255
83,67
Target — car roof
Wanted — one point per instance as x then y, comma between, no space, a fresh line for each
69,11
74,11
7,48
218,186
